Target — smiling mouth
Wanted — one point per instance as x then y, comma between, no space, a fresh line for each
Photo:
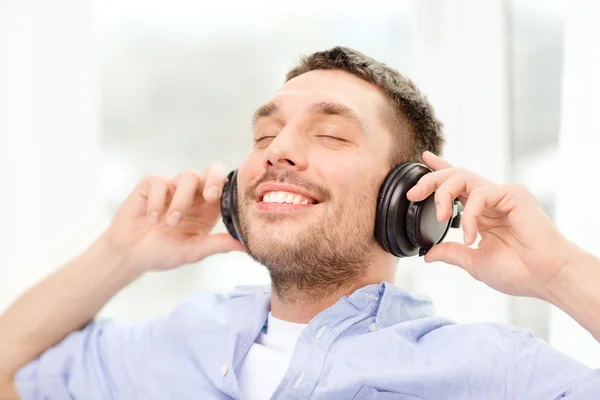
283,197
278,200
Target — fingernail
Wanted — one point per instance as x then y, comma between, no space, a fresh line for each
219,168
465,237
153,218
212,193
429,258
174,218
438,211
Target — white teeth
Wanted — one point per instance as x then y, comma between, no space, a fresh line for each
280,198
285,197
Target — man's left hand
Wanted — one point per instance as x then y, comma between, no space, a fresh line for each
520,252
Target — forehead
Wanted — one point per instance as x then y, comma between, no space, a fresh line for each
332,86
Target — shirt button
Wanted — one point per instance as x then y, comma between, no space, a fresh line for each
372,327
224,369
299,380
320,331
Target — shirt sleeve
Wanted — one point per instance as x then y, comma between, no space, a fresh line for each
93,363
541,372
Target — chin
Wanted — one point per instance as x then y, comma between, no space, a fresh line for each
292,222
284,232
267,232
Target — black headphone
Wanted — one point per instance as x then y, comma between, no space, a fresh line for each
402,227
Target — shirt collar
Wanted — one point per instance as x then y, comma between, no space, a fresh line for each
387,302
397,305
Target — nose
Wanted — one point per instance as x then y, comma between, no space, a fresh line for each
286,151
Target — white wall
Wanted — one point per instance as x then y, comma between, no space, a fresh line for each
48,138
578,215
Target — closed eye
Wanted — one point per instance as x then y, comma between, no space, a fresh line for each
260,139
332,137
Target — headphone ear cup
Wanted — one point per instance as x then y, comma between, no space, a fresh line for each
386,192
422,227
229,210
404,228
411,222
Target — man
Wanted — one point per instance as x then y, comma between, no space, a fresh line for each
333,326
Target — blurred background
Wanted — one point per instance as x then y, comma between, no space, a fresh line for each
96,94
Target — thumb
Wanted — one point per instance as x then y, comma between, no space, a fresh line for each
452,253
212,244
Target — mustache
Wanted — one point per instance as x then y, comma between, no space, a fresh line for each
291,178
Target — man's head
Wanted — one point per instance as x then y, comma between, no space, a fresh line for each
333,131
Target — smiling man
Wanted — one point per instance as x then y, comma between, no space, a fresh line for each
332,325
323,137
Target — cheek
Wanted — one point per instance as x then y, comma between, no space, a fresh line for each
355,188
249,170
348,172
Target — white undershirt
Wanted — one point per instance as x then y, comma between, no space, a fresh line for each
268,359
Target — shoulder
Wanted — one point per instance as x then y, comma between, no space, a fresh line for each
216,307
530,360
207,301
465,340
508,339
470,332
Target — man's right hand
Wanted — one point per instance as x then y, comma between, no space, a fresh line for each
165,223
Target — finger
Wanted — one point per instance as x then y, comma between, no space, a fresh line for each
434,162
205,246
449,190
478,201
454,254
157,187
185,193
215,180
429,184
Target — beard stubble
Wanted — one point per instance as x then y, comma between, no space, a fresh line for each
331,253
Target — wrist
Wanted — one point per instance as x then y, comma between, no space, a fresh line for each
572,270
574,290
103,256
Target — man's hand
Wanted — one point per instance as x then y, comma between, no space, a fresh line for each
166,223
520,252
163,224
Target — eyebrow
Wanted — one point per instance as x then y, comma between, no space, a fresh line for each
321,107
265,111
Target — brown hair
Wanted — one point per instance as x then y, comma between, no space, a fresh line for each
410,116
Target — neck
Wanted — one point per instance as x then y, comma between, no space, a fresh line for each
301,305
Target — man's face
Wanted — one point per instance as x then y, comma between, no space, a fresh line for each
308,190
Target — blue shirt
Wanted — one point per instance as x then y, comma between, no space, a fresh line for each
378,343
